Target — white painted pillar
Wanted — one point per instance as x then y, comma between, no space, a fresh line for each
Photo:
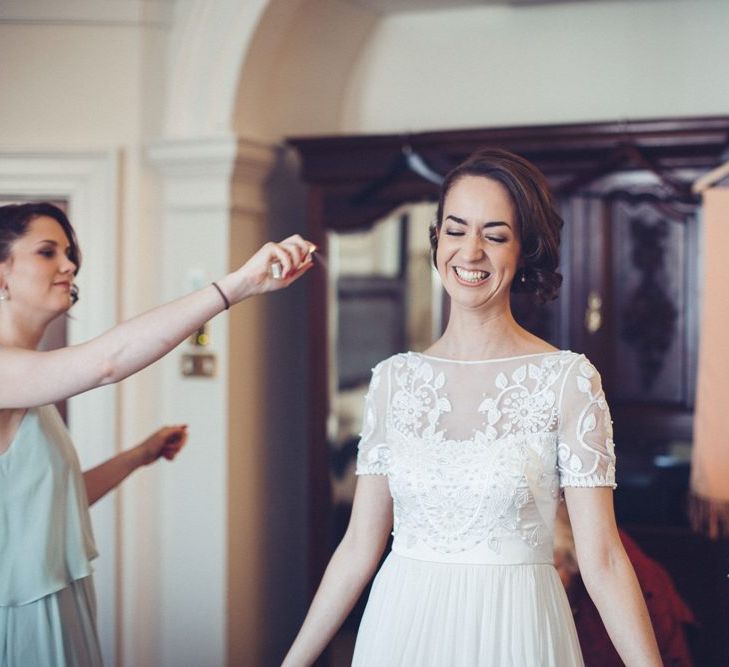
209,513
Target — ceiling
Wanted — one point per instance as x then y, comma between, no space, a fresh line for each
397,6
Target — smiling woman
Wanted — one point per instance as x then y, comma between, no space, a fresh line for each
47,600
463,454
517,197
479,246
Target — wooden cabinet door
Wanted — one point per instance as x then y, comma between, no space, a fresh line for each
634,311
629,301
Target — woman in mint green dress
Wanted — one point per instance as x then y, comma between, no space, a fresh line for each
47,602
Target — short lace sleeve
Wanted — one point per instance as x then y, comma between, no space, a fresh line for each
585,454
373,453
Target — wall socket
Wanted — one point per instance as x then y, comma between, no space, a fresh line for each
198,365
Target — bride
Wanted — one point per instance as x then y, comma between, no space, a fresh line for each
465,452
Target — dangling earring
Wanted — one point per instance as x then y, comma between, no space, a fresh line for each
523,276
4,294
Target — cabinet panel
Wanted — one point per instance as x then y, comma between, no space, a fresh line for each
650,305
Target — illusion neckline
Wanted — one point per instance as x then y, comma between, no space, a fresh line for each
488,361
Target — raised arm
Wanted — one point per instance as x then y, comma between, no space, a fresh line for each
609,576
349,570
29,378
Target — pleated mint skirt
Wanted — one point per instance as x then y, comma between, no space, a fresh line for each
59,630
430,614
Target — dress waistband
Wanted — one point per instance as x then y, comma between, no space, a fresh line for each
506,552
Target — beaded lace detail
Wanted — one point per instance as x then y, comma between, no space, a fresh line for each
477,451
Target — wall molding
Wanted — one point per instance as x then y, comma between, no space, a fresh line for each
203,81
213,173
159,13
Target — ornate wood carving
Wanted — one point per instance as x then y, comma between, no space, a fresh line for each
649,319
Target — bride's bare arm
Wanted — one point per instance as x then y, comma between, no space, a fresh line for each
349,570
29,378
609,576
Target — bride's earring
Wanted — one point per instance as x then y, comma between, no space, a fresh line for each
4,294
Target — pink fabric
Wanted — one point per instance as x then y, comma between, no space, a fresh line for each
710,462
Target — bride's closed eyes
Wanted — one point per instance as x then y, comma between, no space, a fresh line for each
489,237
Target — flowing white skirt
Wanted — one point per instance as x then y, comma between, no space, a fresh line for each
428,614
59,630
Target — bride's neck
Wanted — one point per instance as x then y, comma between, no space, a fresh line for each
480,335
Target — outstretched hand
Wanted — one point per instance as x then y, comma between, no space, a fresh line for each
165,442
277,265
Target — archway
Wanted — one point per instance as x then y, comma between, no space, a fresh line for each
278,68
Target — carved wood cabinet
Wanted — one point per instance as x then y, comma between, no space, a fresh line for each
629,301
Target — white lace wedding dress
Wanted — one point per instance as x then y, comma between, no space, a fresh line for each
475,454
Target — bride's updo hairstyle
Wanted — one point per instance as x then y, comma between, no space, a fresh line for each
539,223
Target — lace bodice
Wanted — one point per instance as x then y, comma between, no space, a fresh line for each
475,452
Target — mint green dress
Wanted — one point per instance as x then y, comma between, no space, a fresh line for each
47,601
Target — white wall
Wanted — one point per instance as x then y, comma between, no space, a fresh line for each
297,67
560,63
69,84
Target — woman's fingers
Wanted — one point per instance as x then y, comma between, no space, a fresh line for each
298,252
170,451
282,256
298,248
274,266
290,258
175,432
300,270
174,440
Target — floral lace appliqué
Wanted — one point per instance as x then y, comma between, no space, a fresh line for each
455,494
595,466
517,408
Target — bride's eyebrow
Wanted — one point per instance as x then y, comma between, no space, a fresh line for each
486,225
